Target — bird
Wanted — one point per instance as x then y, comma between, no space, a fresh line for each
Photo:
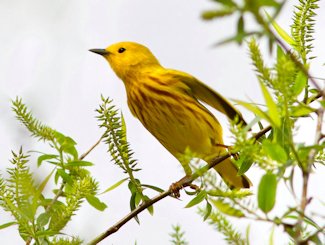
170,105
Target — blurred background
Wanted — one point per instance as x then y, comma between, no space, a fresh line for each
45,61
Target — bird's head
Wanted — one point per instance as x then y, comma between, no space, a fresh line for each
127,57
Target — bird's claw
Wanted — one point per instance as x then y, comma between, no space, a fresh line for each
175,188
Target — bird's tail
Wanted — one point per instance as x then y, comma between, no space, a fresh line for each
228,171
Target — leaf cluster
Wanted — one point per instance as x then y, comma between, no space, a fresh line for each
178,236
42,217
221,223
302,29
285,86
241,10
122,155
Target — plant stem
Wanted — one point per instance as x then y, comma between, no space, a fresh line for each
91,148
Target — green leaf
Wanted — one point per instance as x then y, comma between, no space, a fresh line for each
315,238
300,83
271,238
238,38
267,192
149,208
306,219
269,3
155,188
66,177
282,33
314,91
133,206
244,164
208,211
138,198
3,226
117,184
71,150
235,193
79,163
256,110
45,181
229,3
46,233
228,209
275,151
301,110
196,200
44,157
322,102
62,139
67,144
43,219
212,14
240,29
248,230
123,127
271,105
279,53
96,203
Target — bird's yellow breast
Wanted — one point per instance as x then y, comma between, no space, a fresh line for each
175,118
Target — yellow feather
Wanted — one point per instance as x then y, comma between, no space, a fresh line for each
167,103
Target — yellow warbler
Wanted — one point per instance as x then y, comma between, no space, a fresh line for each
167,103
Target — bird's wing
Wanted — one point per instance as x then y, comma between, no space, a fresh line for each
207,95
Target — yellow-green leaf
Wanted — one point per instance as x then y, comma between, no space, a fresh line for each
79,163
150,208
43,219
282,33
267,192
3,226
96,203
123,127
275,151
301,111
117,184
196,200
228,209
45,181
300,83
256,110
66,177
45,157
244,164
271,105
208,211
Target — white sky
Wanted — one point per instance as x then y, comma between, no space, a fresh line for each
44,60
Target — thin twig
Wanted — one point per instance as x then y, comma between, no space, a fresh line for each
297,62
184,182
262,132
311,158
300,65
91,148
58,194
307,169
60,191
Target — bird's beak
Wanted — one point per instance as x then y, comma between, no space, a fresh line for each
99,51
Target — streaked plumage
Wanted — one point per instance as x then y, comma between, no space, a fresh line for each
167,103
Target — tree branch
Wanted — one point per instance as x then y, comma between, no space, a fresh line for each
183,182
91,148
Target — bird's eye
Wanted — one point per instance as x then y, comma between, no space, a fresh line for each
121,50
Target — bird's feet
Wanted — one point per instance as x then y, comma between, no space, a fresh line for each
175,188
184,182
